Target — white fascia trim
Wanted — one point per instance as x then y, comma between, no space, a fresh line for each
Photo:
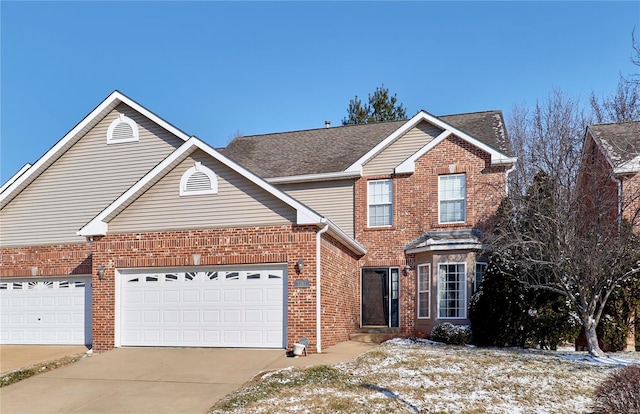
114,97
497,157
155,118
341,175
357,166
439,247
15,177
98,227
304,214
601,148
630,167
349,241
409,165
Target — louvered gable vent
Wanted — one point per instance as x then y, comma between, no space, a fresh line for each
198,180
122,129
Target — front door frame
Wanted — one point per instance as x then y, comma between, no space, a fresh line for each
391,286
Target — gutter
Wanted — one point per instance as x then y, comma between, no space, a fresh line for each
340,175
318,285
619,183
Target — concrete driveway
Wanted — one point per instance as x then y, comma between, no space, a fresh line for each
153,380
13,357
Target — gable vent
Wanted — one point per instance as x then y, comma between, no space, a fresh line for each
198,180
122,129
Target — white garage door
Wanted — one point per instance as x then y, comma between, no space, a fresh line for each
45,311
212,308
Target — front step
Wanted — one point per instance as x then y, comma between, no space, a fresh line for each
374,335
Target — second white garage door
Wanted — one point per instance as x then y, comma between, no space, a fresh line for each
241,307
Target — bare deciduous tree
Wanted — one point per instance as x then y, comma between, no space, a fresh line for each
563,230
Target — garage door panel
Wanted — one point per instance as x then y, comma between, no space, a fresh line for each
211,316
151,316
232,295
206,308
171,296
191,296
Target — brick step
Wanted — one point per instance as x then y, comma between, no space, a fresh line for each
377,329
373,338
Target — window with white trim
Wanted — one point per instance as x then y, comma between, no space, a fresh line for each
198,180
122,129
452,198
452,291
424,291
380,203
481,268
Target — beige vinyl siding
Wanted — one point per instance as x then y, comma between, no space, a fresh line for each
238,203
401,149
332,199
82,182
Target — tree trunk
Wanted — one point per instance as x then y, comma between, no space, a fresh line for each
592,337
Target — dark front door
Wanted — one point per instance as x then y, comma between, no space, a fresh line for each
381,297
375,297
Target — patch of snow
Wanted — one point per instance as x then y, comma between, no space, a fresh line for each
600,360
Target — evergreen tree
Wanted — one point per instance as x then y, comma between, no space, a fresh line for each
381,107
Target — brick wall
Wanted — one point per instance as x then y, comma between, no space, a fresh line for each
54,260
273,244
415,204
340,294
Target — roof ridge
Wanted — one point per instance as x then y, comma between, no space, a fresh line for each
615,123
472,113
323,128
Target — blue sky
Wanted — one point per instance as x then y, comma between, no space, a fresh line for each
214,68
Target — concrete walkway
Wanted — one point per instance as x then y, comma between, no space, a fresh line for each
154,380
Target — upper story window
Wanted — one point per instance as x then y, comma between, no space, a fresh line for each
122,129
380,203
198,180
452,198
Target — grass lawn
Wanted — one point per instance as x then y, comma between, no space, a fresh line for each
424,377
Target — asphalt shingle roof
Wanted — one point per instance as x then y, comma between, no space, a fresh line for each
621,141
327,150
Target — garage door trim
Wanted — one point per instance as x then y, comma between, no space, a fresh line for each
123,274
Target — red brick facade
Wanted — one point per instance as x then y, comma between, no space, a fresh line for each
415,210
54,260
273,244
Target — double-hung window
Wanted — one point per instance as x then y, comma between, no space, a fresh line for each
452,291
380,202
452,198
424,291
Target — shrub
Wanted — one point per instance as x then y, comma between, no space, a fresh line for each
451,334
620,392
504,312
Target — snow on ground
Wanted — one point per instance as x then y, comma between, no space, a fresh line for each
405,375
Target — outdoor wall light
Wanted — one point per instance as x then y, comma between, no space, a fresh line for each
407,269
196,259
300,265
101,272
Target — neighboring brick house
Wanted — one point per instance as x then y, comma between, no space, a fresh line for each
128,232
610,170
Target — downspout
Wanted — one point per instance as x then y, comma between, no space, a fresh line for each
619,183
318,284
506,178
